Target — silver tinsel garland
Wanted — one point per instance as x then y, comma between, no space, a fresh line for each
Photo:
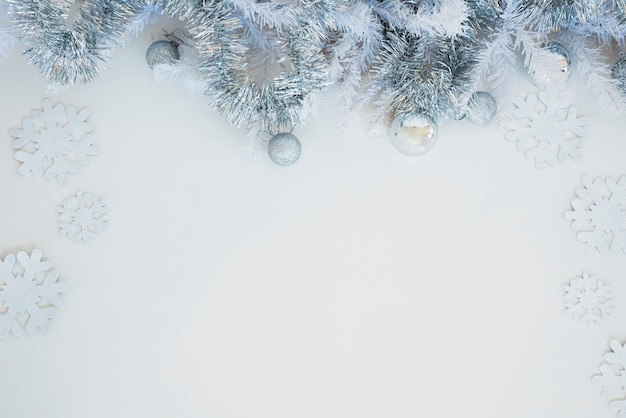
225,50
71,52
423,75
261,62
549,16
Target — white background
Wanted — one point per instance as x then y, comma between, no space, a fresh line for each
356,283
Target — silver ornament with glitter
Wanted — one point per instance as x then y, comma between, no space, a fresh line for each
481,107
162,52
284,149
562,54
619,73
413,135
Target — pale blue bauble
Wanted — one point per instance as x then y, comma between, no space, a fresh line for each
481,107
284,149
162,52
413,135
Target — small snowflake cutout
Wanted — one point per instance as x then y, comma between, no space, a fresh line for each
544,131
599,215
613,378
54,142
587,299
29,293
82,217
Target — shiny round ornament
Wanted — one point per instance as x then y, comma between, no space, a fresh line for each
413,135
162,52
284,149
562,55
619,73
481,107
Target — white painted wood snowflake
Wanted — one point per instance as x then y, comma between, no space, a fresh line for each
613,378
82,217
587,299
546,132
54,142
29,293
599,215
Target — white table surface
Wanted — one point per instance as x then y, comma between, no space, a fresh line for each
356,283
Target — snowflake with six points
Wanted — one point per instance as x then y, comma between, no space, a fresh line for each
613,378
29,293
587,299
544,132
599,215
54,142
82,217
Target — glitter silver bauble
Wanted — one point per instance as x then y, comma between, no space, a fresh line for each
562,54
284,149
619,73
413,135
481,107
162,52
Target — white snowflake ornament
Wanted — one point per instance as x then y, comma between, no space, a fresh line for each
599,215
29,293
82,217
613,378
587,299
54,142
546,132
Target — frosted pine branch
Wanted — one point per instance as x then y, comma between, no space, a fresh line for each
147,15
495,62
7,40
449,20
270,14
544,66
594,68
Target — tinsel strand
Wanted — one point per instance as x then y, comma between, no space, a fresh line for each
265,63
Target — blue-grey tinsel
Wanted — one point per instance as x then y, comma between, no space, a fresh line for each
76,54
261,62
550,16
483,13
424,75
224,54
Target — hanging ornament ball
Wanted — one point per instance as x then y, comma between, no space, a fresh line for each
562,54
619,72
481,107
413,135
162,52
284,149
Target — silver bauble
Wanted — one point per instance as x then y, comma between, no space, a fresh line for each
413,135
562,55
162,52
284,149
481,107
